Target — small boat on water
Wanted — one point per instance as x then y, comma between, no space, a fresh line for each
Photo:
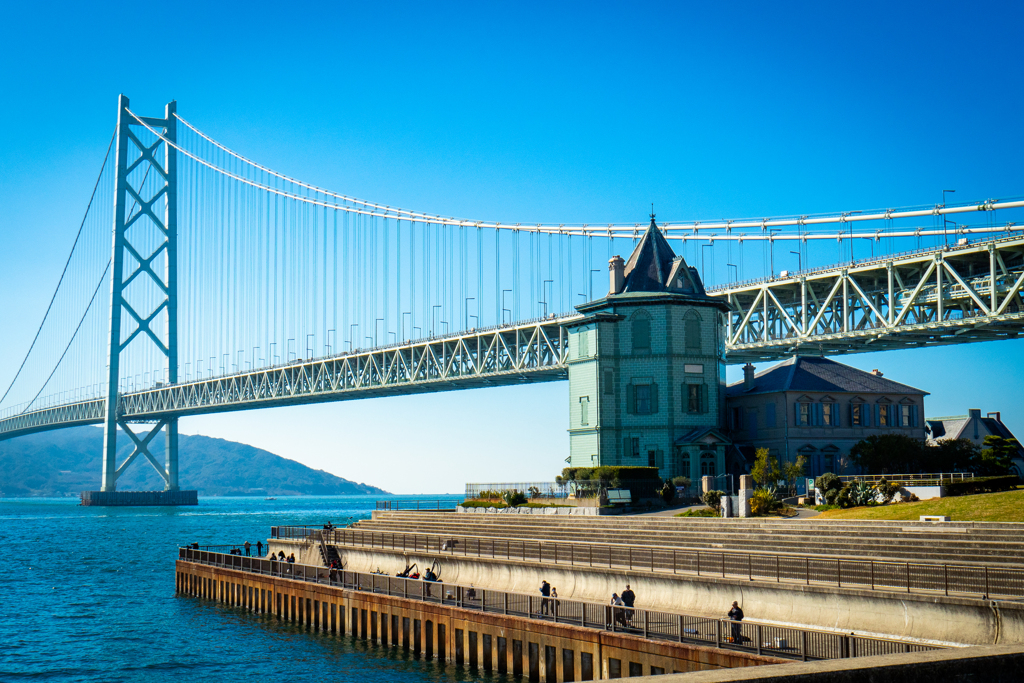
270,499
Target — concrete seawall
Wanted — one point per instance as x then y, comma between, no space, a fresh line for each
539,650
935,619
1000,664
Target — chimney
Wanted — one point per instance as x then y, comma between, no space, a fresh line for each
974,412
748,377
996,415
616,274
876,372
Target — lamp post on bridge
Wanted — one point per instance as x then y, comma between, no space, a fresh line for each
503,308
799,263
465,322
945,221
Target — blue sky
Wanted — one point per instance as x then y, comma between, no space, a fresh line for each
554,112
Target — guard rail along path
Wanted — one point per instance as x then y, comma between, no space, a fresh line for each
910,577
779,641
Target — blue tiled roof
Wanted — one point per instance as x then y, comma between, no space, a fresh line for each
812,374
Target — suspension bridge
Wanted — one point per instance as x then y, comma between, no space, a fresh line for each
223,285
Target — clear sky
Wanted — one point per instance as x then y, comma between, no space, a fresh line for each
554,112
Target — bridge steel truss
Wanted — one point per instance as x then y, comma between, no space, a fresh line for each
947,295
942,296
517,354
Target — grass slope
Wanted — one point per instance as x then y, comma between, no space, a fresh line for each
1007,506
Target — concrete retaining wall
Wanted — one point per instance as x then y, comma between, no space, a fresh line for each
932,619
977,664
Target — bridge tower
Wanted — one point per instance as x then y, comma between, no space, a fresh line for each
143,284
647,368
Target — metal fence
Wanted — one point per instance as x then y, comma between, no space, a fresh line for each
915,479
909,577
762,639
581,489
443,504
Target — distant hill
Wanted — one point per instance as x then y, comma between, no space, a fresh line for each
67,461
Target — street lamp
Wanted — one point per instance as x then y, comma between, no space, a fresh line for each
465,322
799,267
543,293
432,314
735,272
402,322
945,239
503,308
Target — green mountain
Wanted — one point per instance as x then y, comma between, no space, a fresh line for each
67,461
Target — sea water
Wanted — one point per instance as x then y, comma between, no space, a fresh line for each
87,594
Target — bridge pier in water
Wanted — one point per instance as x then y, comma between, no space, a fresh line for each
145,236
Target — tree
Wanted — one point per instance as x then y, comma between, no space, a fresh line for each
886,453
766,468
792,471
952,455
996,456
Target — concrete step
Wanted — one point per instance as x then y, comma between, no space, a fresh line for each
941,549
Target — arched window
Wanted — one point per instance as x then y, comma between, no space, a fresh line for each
641,332
691,332
707,464
683,461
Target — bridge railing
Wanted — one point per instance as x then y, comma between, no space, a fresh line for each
878,575
763,639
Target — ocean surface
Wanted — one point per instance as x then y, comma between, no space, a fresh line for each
88,595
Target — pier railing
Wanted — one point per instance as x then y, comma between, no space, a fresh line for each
762,639
908,577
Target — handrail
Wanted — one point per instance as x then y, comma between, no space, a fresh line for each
398,504
763,639
877,575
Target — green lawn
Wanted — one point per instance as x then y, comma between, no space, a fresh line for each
1007,506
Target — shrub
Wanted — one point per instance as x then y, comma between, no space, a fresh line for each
534,492
969,487
763,501
610,474
861,493
713,499
829,485
513,497
668,492
684,482
887,490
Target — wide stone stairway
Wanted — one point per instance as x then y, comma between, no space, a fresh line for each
998,544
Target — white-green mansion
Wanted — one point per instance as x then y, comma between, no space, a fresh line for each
647,369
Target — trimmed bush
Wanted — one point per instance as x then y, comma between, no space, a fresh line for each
969,487
713,499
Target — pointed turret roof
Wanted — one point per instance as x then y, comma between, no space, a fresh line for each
654,267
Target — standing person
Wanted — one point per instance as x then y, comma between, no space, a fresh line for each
554,601
736,614
617,610
248,547
628,598
545,590
259,548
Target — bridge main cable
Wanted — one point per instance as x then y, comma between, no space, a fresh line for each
671,228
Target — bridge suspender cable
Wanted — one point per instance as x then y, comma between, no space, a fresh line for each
671,228
77,328
63,273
